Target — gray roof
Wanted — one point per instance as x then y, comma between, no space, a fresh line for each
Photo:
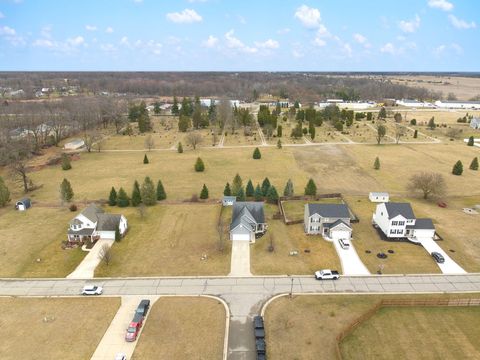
25,201
329,210
336,223
91,212
379,193
247,212
404,209
83,232
422,224
108,222
229,197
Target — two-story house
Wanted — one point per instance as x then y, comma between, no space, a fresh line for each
332,221
248,221
397,220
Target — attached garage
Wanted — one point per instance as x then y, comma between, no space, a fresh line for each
339,230
242,233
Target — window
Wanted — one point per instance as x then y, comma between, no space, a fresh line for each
392,231
399,231
401,223
394,223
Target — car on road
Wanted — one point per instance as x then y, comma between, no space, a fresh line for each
134,328
92,290
258,327
438,257
143,307
344,243
120,356
326,274
260,346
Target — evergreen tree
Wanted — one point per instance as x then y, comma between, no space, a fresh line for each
122,198
136,195
311,188
250,190
279,144
471,141
175,110
227,191
241,195
156,108
145,159
256,154
66,165
199,165
311,130
236,185
474,164
288,188
161,194
204,192
118,236
272,195
457,168
180,148
66,191
265,186
376,163
279,131
415,134
149,196
4,193
258,193
112,199
431,124
369,116
382,114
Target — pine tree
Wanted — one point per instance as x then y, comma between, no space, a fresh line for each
4,193
199,165
204,192
279,131
272,195
66,165
376,163
311,188
175,110
474,164
279,144
288,188
471,141
236,184
145,159
249,190
382,114
66,191
258,193
227,191
256,154
136,195
112,199
241,195
180,148
457,168
265,186
122,198
149,196
161,194
431,123
415,134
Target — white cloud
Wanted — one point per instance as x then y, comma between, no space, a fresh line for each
359,38
6,30
2,15
283,31
108,48
90,27
440,4
237,44
389,48
439,49
443,48
184,17
109,30
347,49
268,44
410,26
10,35
319,42
297,54
44,43
461,24
124,41
210,42
76,41
309,17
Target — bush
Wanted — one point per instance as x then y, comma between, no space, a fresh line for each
256,154
204,192
199,165
180,148
413,122
474,164
73,207
66,165
457,168
471,141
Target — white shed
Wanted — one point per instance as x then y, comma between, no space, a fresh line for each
74,144
380,197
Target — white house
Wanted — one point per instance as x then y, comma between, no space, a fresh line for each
228,200
414,103
457,104
397,220
475,123
93,224
248,220
379,197
332,221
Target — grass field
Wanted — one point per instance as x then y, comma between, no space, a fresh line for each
170,240
446,333
295,209
183,328
305,327
53,328
240,139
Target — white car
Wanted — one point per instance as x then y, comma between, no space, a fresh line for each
92,290
120,356
344,243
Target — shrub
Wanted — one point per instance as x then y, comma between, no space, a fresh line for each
457,168
199,165
73,207
256,154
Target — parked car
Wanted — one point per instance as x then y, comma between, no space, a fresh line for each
120,356
134,328
143,307
92,290
258,327
344,243
260,346
261,356
327,274
438,257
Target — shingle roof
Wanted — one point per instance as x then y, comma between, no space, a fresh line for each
247,213
91,212
336,223
404,209
108,222
83,232
422,224
329,210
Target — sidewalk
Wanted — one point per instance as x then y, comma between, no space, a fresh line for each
86,269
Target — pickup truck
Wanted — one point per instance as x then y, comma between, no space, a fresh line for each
326,274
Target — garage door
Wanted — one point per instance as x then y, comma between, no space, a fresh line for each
341,234
245,237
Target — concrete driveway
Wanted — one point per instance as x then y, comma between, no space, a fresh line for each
86,269
351,263
449,266
240,261
113,340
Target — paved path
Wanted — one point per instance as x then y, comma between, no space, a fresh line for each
240,258
86,269
351,263
449,266
262,137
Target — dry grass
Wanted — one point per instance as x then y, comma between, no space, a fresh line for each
72,330
446,333
240,139
183,328
170,240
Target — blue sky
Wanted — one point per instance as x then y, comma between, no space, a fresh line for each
247,35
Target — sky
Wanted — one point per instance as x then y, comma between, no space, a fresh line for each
234,35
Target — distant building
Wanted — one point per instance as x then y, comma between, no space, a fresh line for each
475,123
414,103
443,104
24,204
379,197
229,200
74,144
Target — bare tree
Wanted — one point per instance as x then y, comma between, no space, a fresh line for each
225,113
400,131
381,132
453,133
18,171
149,142
142,210
105,254
428,183
194,138
90,138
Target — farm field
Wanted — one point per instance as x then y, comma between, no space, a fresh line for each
183,327
36,327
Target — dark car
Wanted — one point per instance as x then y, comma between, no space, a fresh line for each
258,322
259,333
260,346
261,356
438,257
143,307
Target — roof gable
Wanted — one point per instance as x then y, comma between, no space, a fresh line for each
91,212
395,209
247,213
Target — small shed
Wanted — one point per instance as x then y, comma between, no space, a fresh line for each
74,144
22,205
379,197
229,200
